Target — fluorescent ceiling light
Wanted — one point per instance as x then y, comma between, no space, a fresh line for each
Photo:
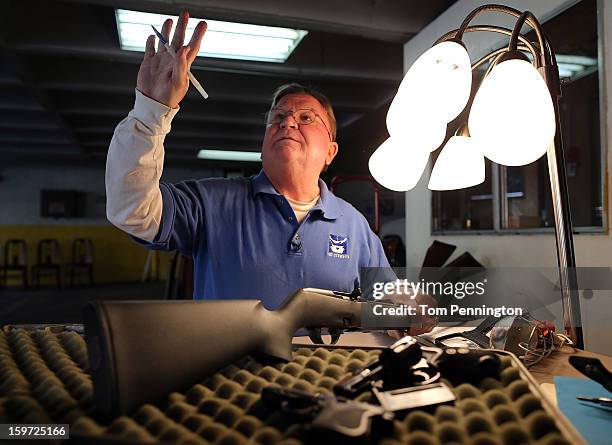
228,155
574,67
580,60
225,40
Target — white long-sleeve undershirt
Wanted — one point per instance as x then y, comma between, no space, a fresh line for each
134,167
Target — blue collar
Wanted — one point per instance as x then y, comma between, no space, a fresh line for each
328,204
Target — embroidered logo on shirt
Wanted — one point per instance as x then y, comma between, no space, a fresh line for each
338,247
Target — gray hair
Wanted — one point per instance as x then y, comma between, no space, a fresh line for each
296,88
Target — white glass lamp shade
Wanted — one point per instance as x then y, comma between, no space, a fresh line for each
435,89
459,165
396,167
512,116
418,132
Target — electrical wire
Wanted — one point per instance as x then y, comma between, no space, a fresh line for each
541,344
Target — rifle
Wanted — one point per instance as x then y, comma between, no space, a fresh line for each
139,351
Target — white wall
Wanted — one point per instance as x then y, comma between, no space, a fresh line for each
520,250
21,186
20,189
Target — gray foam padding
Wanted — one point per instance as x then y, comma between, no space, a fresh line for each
44,379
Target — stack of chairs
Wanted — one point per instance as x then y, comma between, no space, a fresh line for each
15,268
82,261
48,261
15,261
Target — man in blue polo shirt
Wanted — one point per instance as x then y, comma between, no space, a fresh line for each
262,237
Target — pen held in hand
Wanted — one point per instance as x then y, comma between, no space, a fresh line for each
192,78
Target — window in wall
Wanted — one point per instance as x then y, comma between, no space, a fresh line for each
466,209
527,200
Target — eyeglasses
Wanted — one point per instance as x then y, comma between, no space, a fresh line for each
304,116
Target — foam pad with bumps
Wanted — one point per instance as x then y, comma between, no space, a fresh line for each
44,379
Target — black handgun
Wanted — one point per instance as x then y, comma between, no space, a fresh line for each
399,366
406,375
464,365
329,419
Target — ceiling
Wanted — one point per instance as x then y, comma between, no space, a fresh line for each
65,83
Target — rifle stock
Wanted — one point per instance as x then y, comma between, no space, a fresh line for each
139,351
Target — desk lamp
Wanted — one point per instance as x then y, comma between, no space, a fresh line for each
513,120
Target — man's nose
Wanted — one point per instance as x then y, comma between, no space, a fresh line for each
289,122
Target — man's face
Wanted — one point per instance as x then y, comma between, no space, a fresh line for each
288,144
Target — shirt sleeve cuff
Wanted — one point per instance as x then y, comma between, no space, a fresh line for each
155,115
166,225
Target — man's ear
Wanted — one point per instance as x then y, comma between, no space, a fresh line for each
332,151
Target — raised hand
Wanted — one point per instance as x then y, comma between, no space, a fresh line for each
163,76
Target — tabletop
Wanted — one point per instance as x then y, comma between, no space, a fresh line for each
544,372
